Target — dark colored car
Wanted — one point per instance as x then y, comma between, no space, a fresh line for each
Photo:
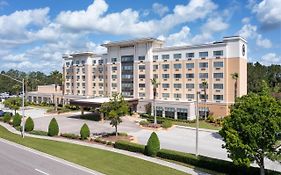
1,113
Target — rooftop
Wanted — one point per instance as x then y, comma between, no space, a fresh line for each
129,42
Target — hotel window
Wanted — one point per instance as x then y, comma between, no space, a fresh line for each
190,96
177,75
94,84
189,65
155,67
165,95
218,64
190,55
100,84
114,68
202,87
218,53
141,94
203,54
94,61
203,65
155,75
114,84
165,76
189,75
83,84
177,95
100,92
78,77
83,70
77,62
165,57
141,75
127,67
177,86
100,69
113,59
165,66
77,70
127,76
165,85
141,85
83,62
114,76
177,55
78,84
100,76
203,75
218,86
155,57
218,75
127,58
141,67
67,63
100,61
218,97
189,86
177,66
141,58
202,96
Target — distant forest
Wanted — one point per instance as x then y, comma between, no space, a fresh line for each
256,73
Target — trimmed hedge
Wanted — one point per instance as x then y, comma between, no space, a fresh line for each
160,120
70,136
53,128
129,146
7,117
16,120
84,132
167,124
153,145
29,125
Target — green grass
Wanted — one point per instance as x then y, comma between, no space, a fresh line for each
202,124
100,160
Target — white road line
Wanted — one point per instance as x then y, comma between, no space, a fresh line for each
40,171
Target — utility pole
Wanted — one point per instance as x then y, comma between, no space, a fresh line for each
197,121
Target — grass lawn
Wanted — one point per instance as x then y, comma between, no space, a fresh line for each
100,160
202,124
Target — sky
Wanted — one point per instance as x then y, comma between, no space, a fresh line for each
34,34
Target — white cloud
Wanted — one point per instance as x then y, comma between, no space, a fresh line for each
245,20
177,39
271,58
160,9
266,43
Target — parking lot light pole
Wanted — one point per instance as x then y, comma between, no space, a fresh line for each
23,117
197,121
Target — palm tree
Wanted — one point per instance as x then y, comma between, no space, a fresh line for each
205,86
235,77
155,86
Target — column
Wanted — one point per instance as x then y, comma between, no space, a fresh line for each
82,110
102,117
176,113
163,112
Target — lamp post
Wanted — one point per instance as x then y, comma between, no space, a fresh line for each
197,121
23,117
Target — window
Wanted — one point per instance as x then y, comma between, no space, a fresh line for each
203,75
203,65
127,76
177,86
190,96
218,53
165,57
142,85
190,65
177,66
201,86
155,75
100,92
165,76
218,75
165,66
189,75
127,67
189,86
100,69
114,85
203,54
100,84
155,57
94,61
114,68
114,76
177,55
155,67
128,58
141,94
177,95
100,61
177,75
203,97
218,64
113,59
218,97
218,86
141,75
165,95
141,67
189,55
83,62
78,77
77,62
165,85
141,58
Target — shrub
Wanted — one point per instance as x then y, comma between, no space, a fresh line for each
53,128
84,132
40,133
99,140
29,124
153,145
144,123
211,119
94,116
167,124
129,146
7,117
109,143
16,120
70,136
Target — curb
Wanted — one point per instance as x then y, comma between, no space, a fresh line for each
200,129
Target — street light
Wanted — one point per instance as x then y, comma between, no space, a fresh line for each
23,117
197,120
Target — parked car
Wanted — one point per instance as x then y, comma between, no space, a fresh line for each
1,113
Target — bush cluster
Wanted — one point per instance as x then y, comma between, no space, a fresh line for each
167,124
16,120
160,120
70,136
37,132
84,132
29,125
133,147
53,128
99,140
152,146
94,116
7,117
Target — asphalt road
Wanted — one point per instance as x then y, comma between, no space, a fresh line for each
16,159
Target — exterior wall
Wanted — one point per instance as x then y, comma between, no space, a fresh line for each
49,89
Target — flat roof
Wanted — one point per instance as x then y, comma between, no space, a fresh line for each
94,102
129,42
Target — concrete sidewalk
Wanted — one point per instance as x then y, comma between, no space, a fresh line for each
103,147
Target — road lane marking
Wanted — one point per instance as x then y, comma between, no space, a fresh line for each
40,171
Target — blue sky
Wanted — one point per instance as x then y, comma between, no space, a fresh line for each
35,34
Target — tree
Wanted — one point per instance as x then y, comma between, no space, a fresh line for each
205,86
13,103
153,145
252,129
29,125
115,109
84,132
16,120
53,129
235,77
155,85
